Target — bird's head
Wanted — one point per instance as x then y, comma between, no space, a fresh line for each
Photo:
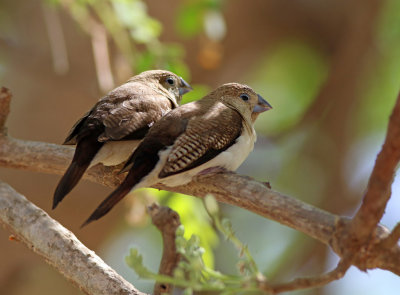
169,83
243,99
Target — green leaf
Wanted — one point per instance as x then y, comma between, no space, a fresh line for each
147,31
191,272
190,18
135,261
196,221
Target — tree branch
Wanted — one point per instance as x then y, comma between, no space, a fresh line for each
59,247
167,221
227,187
317,281
380,182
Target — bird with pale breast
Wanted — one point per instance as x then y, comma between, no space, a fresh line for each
113,128
215,131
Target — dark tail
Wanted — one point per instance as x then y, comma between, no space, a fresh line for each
109,202
84,154
141,168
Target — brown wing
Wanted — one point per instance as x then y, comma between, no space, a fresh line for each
76,129
132,118
127,112
204,138
130,110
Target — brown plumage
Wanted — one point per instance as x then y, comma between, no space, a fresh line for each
112,129
216,131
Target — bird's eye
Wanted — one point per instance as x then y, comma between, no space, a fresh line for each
244,96
170,81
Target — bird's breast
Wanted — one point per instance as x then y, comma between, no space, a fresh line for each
236,154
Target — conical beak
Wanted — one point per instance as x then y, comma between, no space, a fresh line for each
185,87
262,105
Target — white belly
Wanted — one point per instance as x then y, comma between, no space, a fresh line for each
229,159
115,152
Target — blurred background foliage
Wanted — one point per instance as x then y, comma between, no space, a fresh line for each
330,69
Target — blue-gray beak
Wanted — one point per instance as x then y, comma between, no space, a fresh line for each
262,105
185,87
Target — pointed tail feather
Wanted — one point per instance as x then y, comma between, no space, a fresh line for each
116,196
84,154
68,182
141,168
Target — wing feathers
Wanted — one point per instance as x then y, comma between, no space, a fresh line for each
203,140
76,129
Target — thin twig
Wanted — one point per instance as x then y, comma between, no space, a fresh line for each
5,99
312,282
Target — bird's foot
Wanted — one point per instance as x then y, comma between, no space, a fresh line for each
212,170
267,184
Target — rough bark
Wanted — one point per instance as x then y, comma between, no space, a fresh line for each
167,221
58,246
